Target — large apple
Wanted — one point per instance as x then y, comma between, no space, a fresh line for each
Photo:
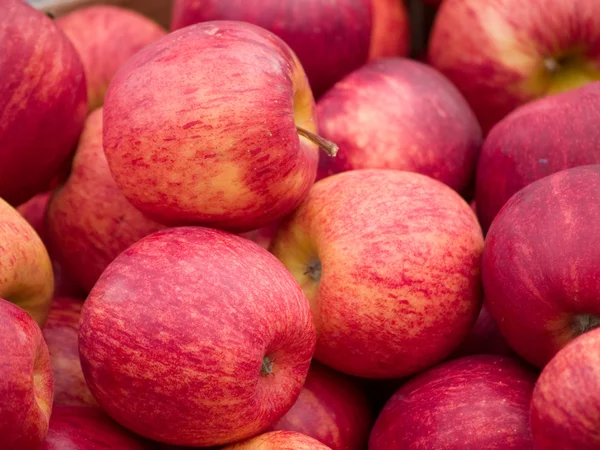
400,114
25,380
105,37
536,140
502,54
89,221
389,261
87,428
280,440
475,402
540,264
213,124
196,337
331,408
331,38
42,99
565,411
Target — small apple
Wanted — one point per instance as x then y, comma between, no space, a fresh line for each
25,380
280,440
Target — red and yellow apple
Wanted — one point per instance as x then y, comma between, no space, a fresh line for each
280,440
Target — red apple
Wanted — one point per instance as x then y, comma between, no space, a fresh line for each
389,261
42,99
25,380
331,408
280,440
565,412
540,264
502,54
477,402
207,126
89,221
331,38
105,37
433,131
536,140
196,337
87,428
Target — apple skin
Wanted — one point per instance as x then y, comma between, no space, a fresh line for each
86,428
536,140
399,284
564,408
330,38
476,402
89,221
42,98
25,380
500,60
434,132
540,280
173,336
193,137
280,440
331,408
263,236
105,38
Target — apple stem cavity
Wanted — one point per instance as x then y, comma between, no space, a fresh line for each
584,323
329,147
551,64
267,366
314,270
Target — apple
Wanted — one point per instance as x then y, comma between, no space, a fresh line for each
540,138
86,428
500,59
89,221
213,125
564,408
433,131
196,337
475,402
105,38
25,380
540,267
389,261
43,100
280,440
263,236
331,38
331,408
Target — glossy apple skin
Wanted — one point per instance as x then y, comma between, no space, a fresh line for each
331,408
42,99
172,338
25,380
106,37
86,428
539,269
477,402
90,222
331,38
497,58
536,140
434,132
564,409
400,280
280,440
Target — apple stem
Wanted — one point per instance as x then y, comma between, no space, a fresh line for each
267,366
329,147
314,270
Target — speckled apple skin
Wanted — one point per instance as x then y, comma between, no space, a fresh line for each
280,440
331,408
173,336
400,283
43,101
400,114
493,55
25,380
477,402
565,412
200,128
105,37
88,428
90,222
540,268
536,140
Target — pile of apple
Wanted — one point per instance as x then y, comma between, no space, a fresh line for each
269,228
